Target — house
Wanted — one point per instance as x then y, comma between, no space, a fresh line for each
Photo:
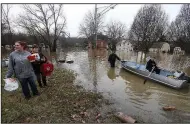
47,46
182,52
99,53
178,50
8,47
160,47
102,41
30,47
124,45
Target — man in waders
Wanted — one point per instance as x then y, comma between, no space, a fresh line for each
112,58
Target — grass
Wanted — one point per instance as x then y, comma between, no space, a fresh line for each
60,102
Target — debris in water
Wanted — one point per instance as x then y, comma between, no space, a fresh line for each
169,108
70,61
125,118
62,61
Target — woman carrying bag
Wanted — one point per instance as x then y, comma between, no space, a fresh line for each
22,68
37,63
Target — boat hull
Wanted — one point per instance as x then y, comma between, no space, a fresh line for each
173,83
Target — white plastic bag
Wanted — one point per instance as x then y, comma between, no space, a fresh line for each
37,56
10,84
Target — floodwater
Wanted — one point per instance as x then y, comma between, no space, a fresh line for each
125,90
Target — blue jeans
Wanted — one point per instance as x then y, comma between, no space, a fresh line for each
25,89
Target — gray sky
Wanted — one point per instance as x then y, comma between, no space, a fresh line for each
122,12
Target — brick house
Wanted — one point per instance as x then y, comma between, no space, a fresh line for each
102,41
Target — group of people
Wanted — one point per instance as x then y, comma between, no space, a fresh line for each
28,71
24,70
151,65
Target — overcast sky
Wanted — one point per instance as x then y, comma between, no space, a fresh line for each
122,12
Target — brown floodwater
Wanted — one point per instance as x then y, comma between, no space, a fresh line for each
125,90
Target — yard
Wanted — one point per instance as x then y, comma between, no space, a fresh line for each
60,102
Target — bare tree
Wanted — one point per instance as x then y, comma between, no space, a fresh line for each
149,26
26,23
87,27
45,22
116,31
6,23
58,27
179,30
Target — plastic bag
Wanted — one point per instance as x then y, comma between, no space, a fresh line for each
11,84
33,57
37,56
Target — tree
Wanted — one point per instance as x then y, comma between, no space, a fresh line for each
6,24
149,26
116,31
179,31
58,27
44,21
87,27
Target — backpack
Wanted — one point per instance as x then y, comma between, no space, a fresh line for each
47,68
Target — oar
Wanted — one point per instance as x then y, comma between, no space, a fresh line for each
149,74
121,61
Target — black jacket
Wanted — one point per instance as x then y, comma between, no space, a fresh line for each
113,57
37,64
150,64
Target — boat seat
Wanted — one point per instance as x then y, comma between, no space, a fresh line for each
135,66
141,67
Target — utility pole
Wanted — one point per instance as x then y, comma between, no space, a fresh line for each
95,24
107,8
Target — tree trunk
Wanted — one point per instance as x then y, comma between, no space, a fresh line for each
54,46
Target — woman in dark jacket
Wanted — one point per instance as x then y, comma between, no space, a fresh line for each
37,65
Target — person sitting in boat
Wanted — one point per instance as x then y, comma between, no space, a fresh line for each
150,64
112,58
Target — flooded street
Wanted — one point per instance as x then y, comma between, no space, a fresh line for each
125,90
55,68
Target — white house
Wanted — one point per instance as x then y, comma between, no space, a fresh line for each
160,47
30,47
8,47
124,45
178,50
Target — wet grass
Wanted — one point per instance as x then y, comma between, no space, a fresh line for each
60,102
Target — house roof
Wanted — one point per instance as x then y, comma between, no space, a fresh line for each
99,36
123,41
158,45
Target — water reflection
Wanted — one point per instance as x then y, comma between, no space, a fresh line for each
112,74
135,87
127,90
93,70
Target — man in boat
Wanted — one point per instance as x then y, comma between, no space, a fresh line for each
112,58
150,64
